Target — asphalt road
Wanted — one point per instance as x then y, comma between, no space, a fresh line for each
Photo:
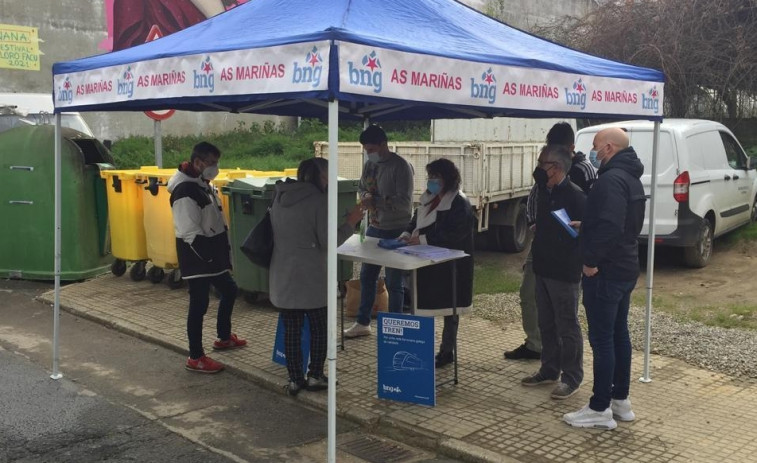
123,399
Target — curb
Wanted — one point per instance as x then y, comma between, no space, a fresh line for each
382,426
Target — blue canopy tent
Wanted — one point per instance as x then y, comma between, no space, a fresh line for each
355,59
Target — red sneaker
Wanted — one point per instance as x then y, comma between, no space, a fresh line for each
203,364
232,343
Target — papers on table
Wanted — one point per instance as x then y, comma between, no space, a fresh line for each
562,217
432,253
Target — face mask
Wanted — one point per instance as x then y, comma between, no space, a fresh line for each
593,159
433,186
540,176
210,172
373,156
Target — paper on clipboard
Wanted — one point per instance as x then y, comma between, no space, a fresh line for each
562,216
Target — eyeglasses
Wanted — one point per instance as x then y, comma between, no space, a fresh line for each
547,163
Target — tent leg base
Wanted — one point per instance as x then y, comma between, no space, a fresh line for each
644,379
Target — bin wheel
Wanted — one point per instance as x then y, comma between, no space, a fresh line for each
118,267
137,272
174,280
155,274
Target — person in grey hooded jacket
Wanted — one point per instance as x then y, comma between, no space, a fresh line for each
298,280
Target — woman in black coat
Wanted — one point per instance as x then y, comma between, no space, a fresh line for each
444,218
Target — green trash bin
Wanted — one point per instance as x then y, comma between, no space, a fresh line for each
249,199
27,205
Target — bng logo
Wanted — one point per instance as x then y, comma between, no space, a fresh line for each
651,100
66,92
369,74
206,77
486,89
125,85
310,71
577,95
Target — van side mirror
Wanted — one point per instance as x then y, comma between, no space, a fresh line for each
751,163
108,143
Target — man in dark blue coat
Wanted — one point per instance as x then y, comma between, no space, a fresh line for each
609,251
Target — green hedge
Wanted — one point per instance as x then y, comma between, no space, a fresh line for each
255,146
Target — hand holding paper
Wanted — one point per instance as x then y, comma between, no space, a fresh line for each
562,216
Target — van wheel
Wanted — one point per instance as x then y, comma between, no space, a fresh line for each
753,217
698,255
511,238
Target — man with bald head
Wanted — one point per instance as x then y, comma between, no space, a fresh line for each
611,224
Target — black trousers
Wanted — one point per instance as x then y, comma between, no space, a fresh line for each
199,295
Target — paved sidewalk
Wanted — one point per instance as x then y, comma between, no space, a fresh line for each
686,414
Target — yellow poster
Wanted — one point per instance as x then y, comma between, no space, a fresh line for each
19,47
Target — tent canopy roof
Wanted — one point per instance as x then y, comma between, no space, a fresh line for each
419,30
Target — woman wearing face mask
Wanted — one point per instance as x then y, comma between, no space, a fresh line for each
444,218
298,277
202,246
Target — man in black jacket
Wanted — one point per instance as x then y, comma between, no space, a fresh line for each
609,251
557,266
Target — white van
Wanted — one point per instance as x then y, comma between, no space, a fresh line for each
35,109
706,184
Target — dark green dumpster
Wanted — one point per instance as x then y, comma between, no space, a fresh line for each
27,202
249,199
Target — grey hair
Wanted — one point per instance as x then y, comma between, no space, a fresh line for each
559,154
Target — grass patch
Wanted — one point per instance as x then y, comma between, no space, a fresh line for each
737,316
748,233
254,146
490,278
683,308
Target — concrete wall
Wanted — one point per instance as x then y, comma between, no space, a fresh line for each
72,29
525,14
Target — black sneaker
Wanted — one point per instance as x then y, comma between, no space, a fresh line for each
522,353
294,387
443,359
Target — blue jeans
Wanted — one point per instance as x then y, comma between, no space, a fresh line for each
369,276
607,302
199,298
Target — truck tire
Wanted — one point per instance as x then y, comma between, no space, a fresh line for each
511,238
698,255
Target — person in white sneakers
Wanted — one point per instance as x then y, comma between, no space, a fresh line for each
386,191
611,224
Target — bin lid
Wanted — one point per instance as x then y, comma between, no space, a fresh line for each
124,174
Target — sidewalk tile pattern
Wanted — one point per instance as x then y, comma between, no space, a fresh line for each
685,414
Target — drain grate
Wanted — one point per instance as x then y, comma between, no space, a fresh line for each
376,451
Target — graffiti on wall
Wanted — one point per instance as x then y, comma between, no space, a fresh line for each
133,22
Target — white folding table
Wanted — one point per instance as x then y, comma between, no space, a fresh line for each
369,252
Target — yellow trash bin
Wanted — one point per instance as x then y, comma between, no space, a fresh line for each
158,225
125,216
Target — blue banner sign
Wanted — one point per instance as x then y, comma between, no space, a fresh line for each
406,358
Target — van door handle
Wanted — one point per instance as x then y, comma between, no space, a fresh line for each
735,177
727,177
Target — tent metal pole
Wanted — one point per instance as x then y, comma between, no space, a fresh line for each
332,277
650,255
56,264
158,143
